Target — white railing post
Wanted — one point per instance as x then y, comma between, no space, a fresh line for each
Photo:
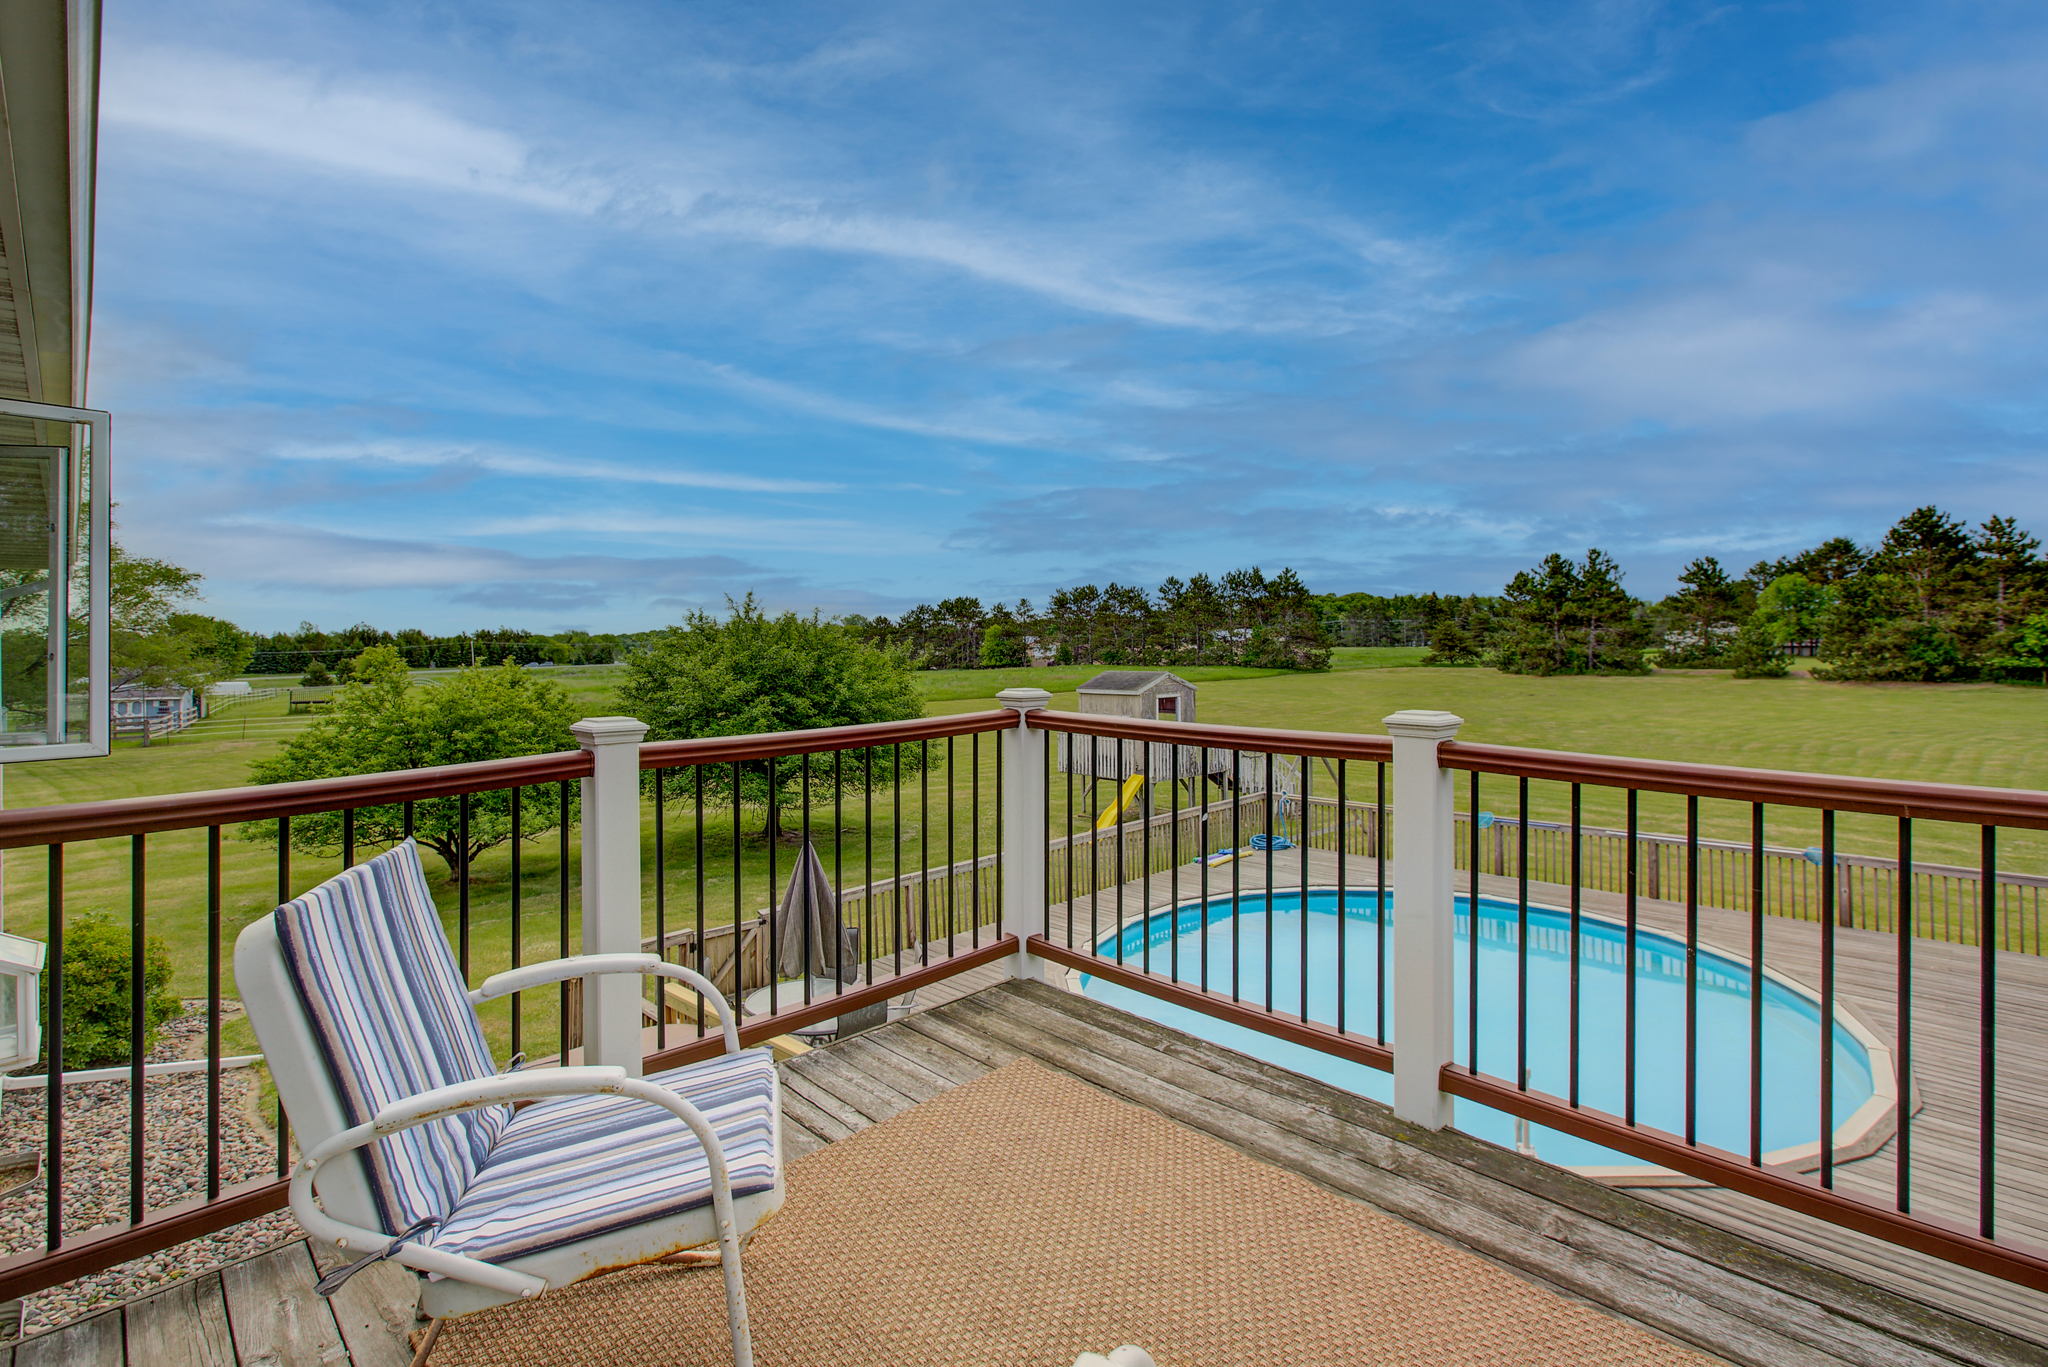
1024,829
1425,921
611,886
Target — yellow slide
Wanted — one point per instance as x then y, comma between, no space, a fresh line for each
1114,812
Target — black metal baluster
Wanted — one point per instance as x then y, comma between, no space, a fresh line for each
1045,922
896,850
974,822
1692,967
1236,872
1173,854
953,859
284,894
562,907
810,904
1577,911
212,1012
739,958
1382,913
1094,850
839,869
1987,1040
1522,947
868,952
1827,998
409,821
658,986
1343,893
1902,1057
1756,983
1067,746
53,1031
1202,840
1472,927
924,851
698,992
1122,874
462,882
138,1021
348,837
1145,856
518,899
774,883
1272,813
1302,831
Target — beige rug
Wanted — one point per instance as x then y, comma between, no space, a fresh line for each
1026,1217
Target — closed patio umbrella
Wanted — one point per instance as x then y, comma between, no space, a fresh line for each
805,921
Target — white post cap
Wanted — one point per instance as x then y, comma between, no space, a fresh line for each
592,732
1025,699
1423,724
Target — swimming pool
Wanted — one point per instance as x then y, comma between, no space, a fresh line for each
1193,939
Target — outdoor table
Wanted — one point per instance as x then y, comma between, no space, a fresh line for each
791,992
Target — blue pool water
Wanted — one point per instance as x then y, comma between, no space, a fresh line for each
1181,942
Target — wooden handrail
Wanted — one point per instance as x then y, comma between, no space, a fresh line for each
225,806
1261,740
1880,796
672,754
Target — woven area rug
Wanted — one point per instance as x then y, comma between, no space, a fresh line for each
1026,1217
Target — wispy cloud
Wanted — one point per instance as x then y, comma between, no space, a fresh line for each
480,457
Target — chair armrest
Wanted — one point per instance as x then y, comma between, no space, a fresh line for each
590,965
467,1096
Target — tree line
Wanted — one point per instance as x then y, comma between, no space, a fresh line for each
1934,601
1244,617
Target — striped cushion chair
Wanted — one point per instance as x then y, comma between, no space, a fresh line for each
492,1186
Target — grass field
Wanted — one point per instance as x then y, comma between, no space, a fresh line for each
1980,734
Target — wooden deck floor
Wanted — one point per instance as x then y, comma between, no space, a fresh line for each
1656,1265
1945,1126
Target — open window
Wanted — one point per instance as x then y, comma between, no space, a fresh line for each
1168,708
55,553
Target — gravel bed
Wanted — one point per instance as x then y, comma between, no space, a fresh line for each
96,1128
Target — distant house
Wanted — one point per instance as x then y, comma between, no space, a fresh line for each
154,710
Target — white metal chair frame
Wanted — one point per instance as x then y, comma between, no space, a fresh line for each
259,968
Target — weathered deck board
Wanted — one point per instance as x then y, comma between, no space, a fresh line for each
276,1316
1729,1294
184,1326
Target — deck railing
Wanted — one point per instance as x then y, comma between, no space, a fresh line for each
914,834
954,842
1629,1026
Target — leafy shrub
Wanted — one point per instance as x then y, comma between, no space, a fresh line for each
97,987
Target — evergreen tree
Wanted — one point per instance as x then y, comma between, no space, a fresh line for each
1755,654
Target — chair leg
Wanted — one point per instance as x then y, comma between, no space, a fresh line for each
419,1358
735,1295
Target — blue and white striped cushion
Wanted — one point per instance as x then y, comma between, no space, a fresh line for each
578,1167
387,1005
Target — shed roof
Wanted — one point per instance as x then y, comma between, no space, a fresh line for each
1128,681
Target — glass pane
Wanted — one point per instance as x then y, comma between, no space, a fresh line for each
33,696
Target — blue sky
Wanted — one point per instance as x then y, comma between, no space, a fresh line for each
585,314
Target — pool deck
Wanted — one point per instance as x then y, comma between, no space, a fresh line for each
1676,1275
1944,1076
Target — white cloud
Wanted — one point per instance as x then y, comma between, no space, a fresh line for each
501,460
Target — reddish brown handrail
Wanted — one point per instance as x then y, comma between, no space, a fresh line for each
670,754
1919,1231
225,806
1261,740
1882,796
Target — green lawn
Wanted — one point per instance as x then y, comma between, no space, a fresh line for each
1981,734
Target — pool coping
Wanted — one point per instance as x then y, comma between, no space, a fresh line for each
1868,1129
